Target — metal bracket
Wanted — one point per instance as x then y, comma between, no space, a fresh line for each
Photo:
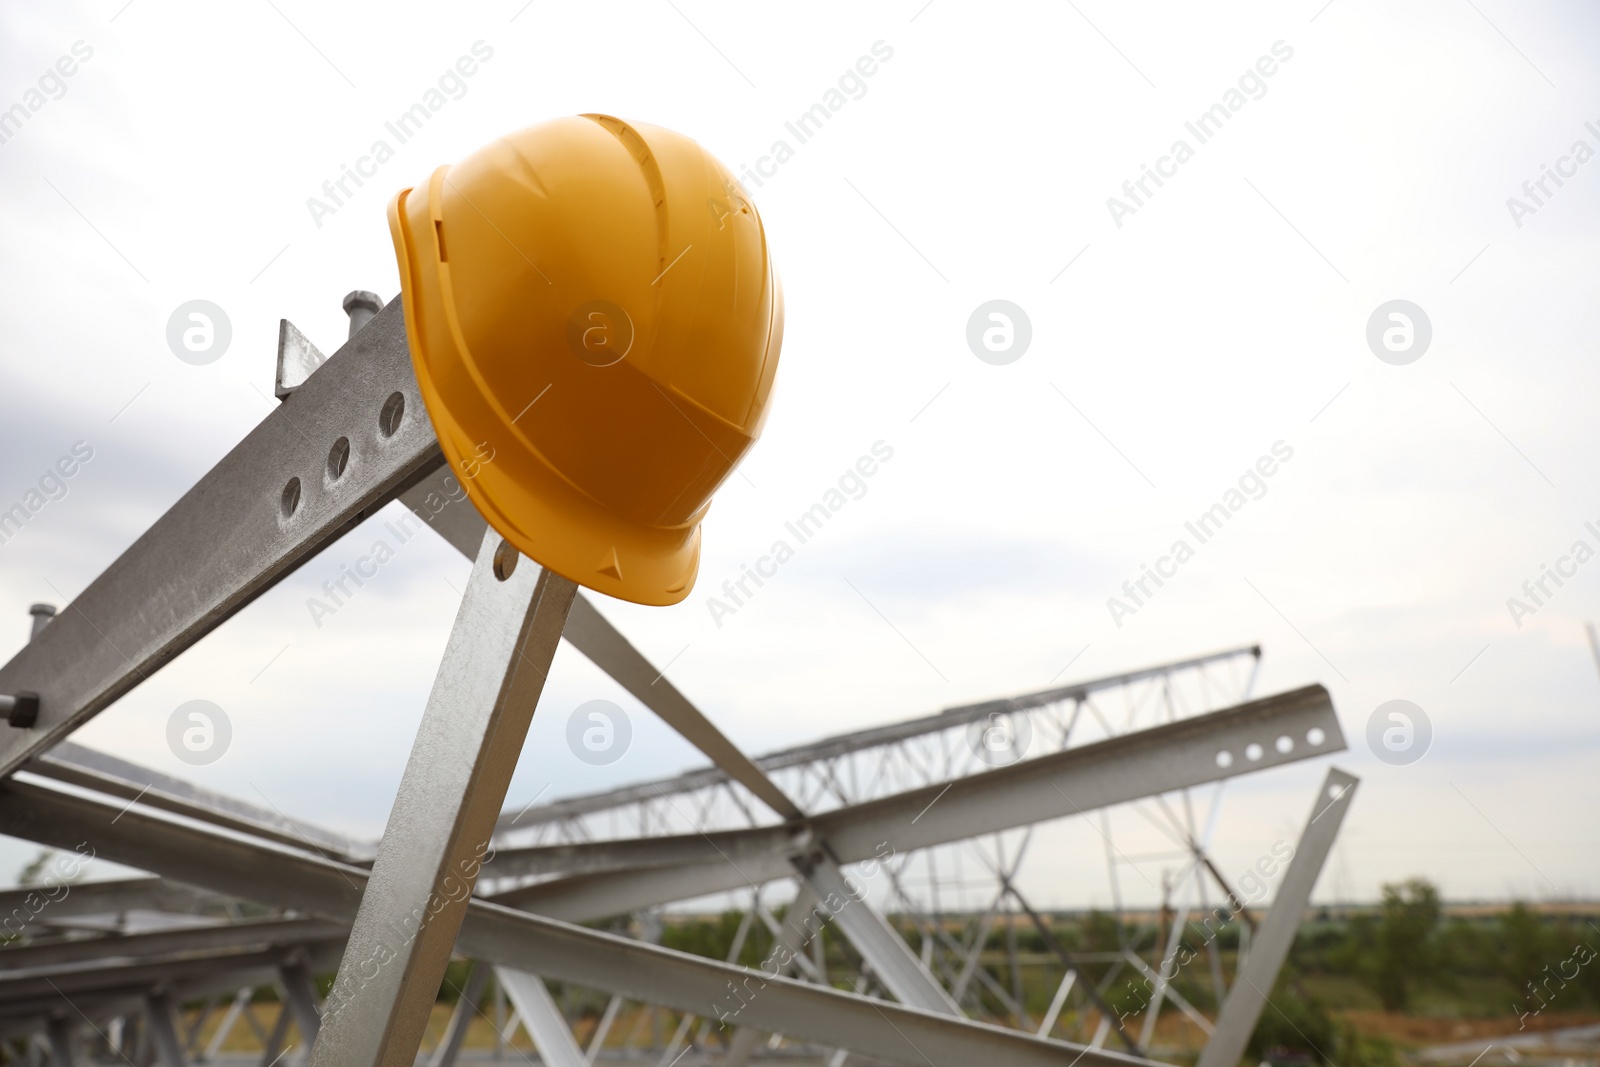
297,358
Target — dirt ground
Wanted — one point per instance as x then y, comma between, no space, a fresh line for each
1418,1031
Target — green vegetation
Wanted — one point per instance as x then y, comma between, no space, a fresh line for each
1357,985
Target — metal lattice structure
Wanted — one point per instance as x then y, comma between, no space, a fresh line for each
903,841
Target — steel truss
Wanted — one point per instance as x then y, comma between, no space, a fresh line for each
906,840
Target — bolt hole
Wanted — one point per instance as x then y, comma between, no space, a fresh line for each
1284,745
289,503
1224,758
505,560
1252,752
1335,792
338,458
1315,736
394,409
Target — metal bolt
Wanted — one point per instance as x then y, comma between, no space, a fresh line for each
361,305
21,709
42,614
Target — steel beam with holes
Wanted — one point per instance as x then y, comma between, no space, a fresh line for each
1147,763
273,502
872,935
269,505
845,744
283,877
1271,943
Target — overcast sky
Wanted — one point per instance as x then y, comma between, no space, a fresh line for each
1178,335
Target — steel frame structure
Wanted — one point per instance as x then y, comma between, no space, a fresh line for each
459,872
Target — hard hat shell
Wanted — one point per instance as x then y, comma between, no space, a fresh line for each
595,324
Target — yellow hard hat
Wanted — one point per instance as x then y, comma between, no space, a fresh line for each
595,324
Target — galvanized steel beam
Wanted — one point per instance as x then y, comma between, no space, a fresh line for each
855,741
1253,985
466,749
590,633
638,971
892,962
539,1013
78,765
1194,751
270,504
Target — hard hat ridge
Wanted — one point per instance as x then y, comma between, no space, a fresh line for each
595,324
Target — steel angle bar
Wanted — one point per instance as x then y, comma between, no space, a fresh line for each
1108,1014
1057,1003
1158,980
789,938
642,972
602,1028
441,503
844,744
546,1025
891,960
236,1010
40,1016
270,1053
467,746
635,853
60,1032
449,1047
191,1031
191,974
602,643
1253,985
76,765
158,1013
295,978
280,496
247,933
98,898
1156,760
